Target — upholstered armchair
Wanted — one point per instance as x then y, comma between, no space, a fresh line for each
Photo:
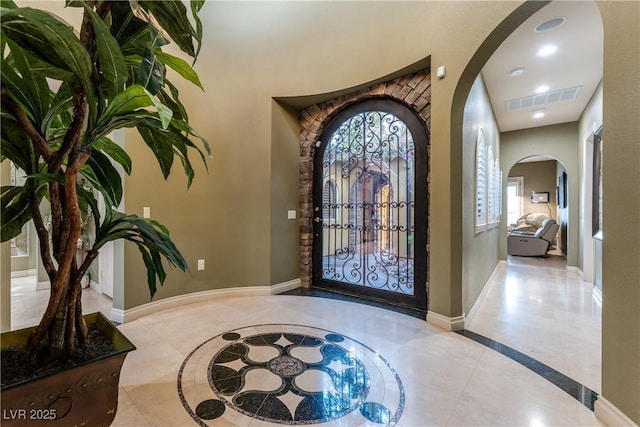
533,244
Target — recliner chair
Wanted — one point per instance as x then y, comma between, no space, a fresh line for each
533,244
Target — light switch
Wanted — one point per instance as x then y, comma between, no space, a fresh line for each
291,214
146,212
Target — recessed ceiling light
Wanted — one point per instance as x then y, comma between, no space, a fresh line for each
516,72
549,24
538,114
547,50
542,89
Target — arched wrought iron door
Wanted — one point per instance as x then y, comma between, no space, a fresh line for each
370,204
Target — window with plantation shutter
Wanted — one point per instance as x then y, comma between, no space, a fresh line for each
481,183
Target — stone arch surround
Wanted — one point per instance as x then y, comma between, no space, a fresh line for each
412,90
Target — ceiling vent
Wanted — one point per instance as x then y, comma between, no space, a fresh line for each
536,101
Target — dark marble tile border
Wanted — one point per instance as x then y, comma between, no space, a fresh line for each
582,394
322,293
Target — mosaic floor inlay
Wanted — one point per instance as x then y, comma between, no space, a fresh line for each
289,374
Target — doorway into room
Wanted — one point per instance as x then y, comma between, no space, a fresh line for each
537,190
370,204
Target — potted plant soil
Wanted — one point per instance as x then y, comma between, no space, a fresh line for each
64,91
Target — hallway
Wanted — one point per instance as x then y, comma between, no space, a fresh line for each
409,373
544,310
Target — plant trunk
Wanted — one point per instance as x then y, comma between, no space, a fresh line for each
60,320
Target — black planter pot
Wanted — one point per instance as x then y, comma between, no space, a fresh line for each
85,395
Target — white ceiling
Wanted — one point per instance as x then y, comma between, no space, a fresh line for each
577,62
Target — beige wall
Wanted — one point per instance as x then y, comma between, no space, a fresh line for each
561,143
285,128
621,174
480,252
539,177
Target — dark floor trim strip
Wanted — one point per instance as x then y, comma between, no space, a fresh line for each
582,394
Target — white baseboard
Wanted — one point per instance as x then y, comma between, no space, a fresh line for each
24,273
123,316
610,415
116,315
444,322
468,317
279,288
597,295
41,286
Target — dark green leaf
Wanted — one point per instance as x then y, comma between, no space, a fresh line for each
152,240
161,148
183,126
172,17
18,89
176,97
124,24
180,66
35,85
113,150
180,143
131,99
90,176
177,108
151,270
112,64
15,212
136,43
47,70
196,6
59,112
15,144
151,72
129,109
53,41
107,175
9,4
157,262
8,193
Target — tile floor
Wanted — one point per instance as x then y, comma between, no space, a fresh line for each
28,304
536,306
544,310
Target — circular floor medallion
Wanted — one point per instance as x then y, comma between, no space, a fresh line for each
288,374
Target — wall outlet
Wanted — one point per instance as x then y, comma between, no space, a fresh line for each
291,214
146,212
200,264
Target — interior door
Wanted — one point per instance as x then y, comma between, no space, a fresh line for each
370,204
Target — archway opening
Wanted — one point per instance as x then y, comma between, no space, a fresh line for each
368,198
537,190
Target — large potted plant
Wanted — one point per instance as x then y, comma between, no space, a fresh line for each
64,91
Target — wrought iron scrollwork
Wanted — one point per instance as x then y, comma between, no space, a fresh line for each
368,223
